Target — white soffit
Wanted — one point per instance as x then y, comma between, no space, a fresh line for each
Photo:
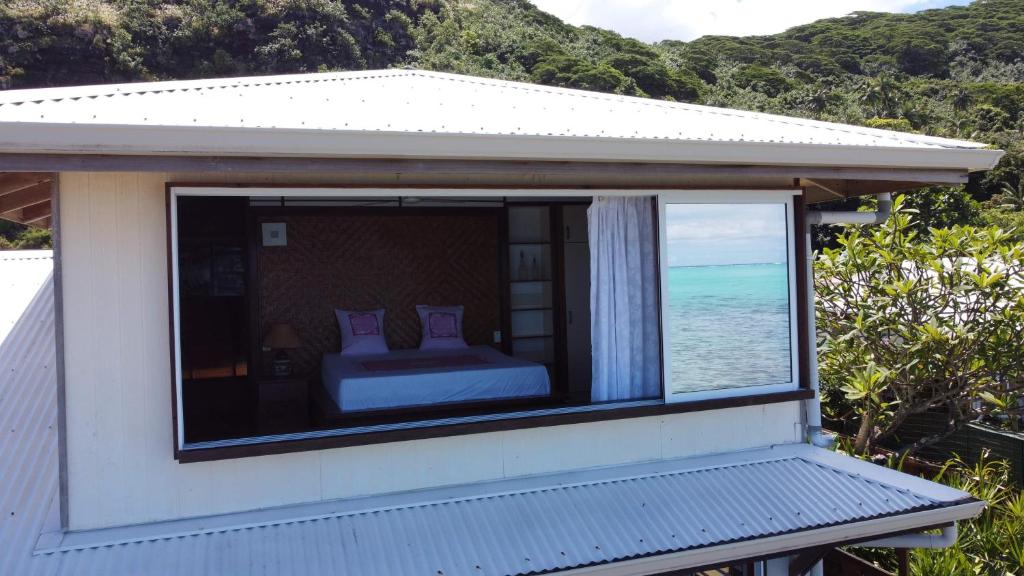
419,114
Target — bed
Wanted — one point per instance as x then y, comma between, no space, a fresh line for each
409,378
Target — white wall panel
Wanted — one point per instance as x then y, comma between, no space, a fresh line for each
120,462
551,449
729,430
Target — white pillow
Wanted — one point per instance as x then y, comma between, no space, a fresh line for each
442,327
362,332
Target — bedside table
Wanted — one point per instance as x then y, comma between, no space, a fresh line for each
282,404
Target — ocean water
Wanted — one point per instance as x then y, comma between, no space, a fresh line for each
728,326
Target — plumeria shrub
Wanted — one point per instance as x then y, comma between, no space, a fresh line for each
911,322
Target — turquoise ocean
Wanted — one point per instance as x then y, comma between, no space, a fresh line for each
728,326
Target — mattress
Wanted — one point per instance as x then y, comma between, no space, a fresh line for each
407,378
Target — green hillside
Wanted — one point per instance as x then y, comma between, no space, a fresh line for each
956,71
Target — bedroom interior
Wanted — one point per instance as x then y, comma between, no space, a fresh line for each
305,314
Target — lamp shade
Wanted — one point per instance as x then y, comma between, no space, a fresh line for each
281,336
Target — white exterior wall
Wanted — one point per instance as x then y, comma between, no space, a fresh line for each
121,468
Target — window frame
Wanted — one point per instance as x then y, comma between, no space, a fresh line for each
336,438
794,276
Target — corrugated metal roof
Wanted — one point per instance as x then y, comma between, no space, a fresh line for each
28,408
414,102
22,272
422,101
556,524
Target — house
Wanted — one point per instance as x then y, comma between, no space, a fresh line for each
404,322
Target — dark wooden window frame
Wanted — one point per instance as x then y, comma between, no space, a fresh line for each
186,455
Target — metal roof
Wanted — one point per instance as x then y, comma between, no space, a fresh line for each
28,408
22,272
679,514
402,113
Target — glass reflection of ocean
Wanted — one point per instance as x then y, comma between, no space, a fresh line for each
728,326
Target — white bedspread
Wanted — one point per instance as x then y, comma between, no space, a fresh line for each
404,378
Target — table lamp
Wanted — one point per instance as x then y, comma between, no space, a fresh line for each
281,337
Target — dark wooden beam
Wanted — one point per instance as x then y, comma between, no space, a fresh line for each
861,187
232,164
16,181
804,561
25,197
36,213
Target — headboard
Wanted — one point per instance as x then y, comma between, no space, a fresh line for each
393,258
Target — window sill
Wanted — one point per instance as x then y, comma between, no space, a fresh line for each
204,452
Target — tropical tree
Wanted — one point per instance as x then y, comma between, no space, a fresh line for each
911,323
1010,197
882,95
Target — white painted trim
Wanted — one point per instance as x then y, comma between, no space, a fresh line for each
49,137
728,197
176,319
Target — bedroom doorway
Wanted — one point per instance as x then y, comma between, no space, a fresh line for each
347,312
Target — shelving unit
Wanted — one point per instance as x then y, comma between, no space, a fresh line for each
530,286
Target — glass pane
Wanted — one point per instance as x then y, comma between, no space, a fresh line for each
529,224
529,262
728,323
532,323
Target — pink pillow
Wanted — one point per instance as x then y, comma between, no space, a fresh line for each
362,332
442,327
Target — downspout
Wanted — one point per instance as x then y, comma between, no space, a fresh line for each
813,405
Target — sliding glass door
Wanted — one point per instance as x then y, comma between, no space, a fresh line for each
729,307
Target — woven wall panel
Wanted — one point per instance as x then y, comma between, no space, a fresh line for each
393,261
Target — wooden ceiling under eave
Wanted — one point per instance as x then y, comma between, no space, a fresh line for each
25,198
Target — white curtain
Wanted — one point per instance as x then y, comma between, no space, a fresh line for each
623,299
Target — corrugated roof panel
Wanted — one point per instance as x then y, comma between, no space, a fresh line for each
527,531
418,101
22,272
28,409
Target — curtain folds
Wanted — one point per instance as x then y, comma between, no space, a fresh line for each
624,299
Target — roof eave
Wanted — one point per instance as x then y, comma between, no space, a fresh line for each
48,138
770,546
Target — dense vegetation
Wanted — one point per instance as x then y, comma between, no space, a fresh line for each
17,237
991,544
957,71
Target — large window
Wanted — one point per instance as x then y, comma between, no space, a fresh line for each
728,271
319,314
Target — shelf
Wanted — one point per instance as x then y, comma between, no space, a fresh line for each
528,243
532,336
527,281
530,308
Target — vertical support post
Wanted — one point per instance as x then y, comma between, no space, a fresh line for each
58,329
903,558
